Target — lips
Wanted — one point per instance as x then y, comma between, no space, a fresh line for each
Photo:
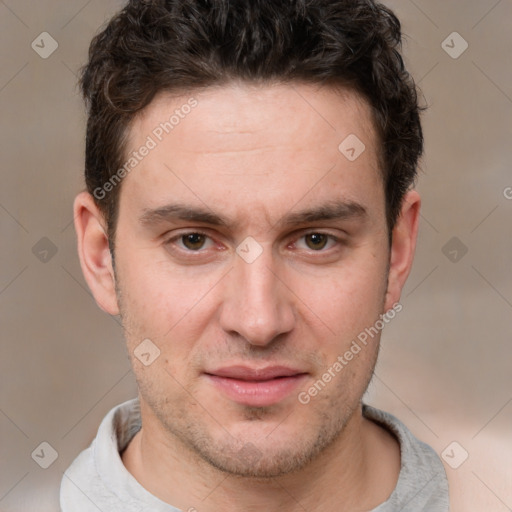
255,374
257,387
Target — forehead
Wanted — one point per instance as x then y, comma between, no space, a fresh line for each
305,111
262,148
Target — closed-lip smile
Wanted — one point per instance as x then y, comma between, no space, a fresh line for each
258,387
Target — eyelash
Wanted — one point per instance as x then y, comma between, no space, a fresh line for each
175,238
181,235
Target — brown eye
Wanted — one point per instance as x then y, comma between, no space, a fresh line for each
316,241
193,241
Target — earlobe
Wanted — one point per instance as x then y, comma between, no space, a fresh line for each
403,246
94,253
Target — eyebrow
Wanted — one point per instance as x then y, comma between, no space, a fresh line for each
180,211
332,210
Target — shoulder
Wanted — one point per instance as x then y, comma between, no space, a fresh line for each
422,483
89,481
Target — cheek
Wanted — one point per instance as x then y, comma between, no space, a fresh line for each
345,298
170,308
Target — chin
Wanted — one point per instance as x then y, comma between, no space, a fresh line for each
268,456
250,462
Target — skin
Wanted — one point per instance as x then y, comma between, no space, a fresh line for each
254,154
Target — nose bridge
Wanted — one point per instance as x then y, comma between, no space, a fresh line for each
256,305
258,280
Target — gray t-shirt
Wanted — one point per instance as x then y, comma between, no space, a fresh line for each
98,481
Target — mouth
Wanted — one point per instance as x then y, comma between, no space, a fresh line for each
256,387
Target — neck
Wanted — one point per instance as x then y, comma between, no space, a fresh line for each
359,470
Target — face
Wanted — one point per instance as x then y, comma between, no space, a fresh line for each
252,252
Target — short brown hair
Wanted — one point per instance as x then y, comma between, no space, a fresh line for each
154,46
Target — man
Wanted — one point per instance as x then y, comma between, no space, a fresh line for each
250,215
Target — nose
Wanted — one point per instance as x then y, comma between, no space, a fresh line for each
257,304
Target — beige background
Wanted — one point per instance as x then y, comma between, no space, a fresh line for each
445,366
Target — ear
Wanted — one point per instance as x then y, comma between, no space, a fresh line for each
94,253
403,246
